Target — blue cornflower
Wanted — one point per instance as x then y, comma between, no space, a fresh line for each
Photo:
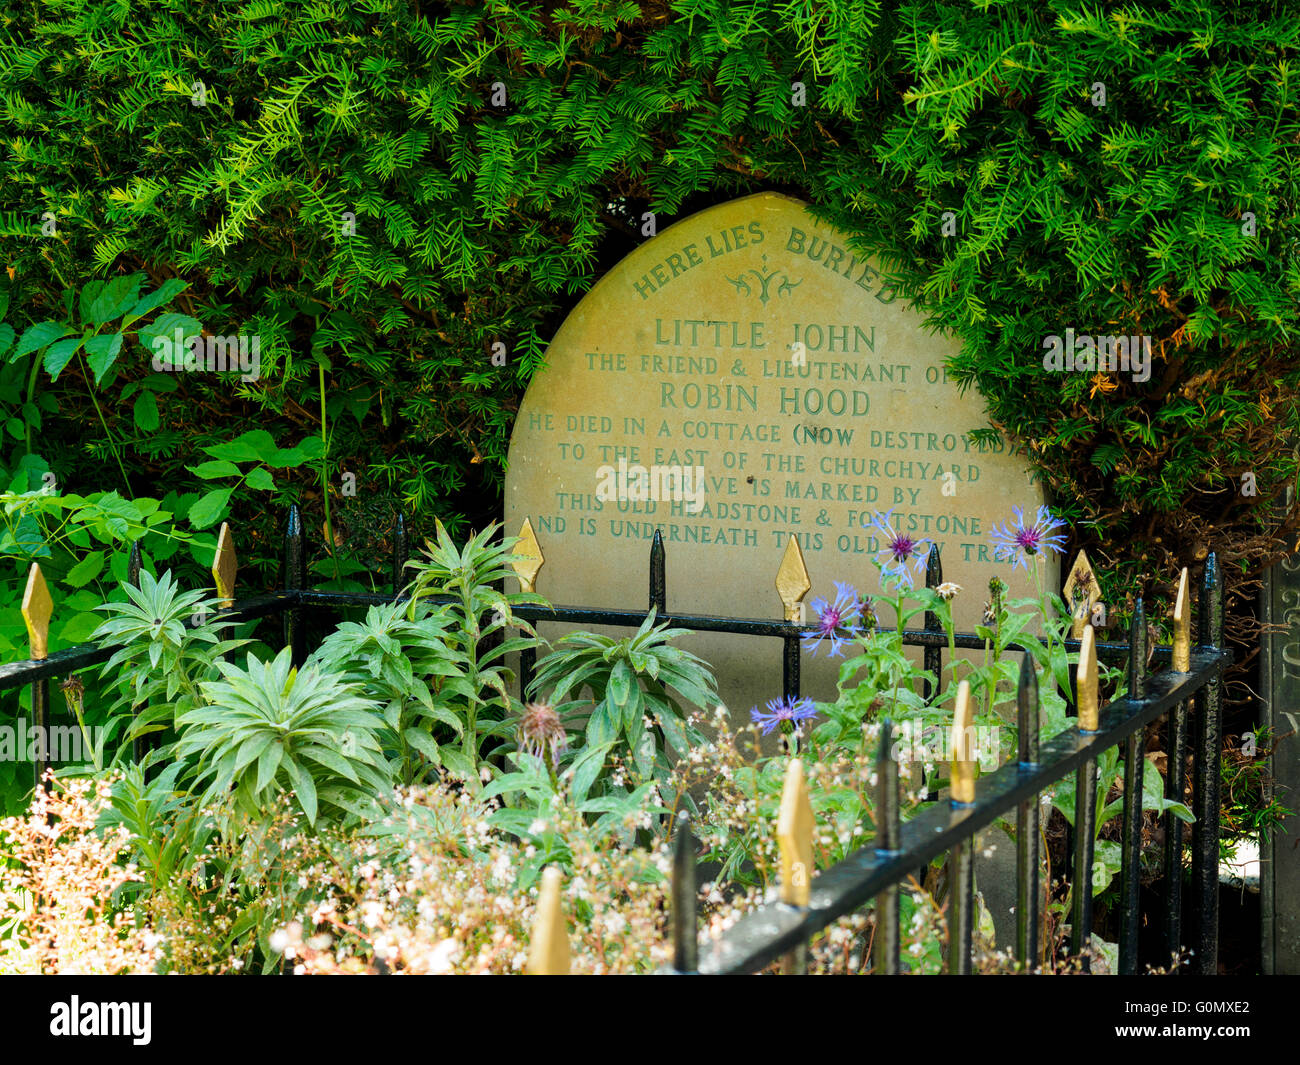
833,619
782,710
1018,543
899,549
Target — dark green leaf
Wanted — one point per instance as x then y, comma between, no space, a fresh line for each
101,353
59,354
145,412
38,336
211,507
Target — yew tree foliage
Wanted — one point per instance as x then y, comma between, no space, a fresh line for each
477,223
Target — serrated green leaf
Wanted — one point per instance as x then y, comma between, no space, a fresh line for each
211,507
86,570
260,479
145,412
151,301
113,300
38,336
210,471
59,354
253,446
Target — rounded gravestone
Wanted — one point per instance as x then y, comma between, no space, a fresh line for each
747,371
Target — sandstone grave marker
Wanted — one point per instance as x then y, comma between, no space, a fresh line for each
741,378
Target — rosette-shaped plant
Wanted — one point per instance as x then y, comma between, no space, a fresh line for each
269,728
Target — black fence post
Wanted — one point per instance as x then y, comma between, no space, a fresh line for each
133,564
1085,802
686,946
887,843
1175,774
295,581
961,879
401,552
933,655
1134,760
658,574
1207,755
1027,819
790,668
41,728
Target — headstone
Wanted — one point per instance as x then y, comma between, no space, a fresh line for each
751,351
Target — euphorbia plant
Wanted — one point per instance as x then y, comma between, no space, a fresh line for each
467,577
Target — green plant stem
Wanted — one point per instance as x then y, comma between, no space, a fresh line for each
762,857
85,737
93,399
950,626
1043,610
984,688
31,396
324,475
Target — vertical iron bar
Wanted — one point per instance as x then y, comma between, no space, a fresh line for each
295,580
41,728
1134,759
1131,854
1176,749
961,901
790,668
401,552
658,574
1085,831
961,882
1137,652
933,656
1207,752
796,962
686,949
1027,820
1085,828
527,660
887,842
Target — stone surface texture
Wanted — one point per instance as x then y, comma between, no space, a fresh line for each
686,355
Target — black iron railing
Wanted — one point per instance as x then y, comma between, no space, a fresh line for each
876,871
779,930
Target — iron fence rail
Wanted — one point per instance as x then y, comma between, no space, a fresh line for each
877,871
773,930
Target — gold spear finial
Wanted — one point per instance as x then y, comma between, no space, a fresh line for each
1087,681
962,775
794,835
792,582
1082,593
548,951
527,566
224,567
36,610
1182,657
